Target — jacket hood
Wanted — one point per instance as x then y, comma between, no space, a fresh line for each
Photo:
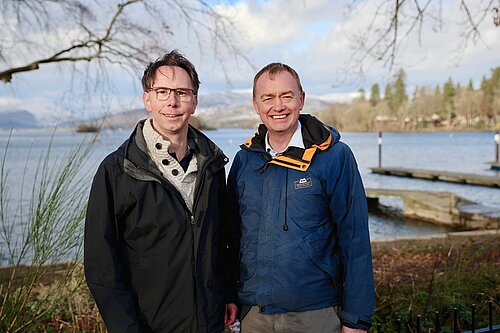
317,137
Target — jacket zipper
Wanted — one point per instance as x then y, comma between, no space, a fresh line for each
202,182
189,213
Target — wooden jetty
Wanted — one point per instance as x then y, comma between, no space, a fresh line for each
447,176
443,208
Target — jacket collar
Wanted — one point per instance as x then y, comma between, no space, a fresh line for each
296,141
204,149
317,137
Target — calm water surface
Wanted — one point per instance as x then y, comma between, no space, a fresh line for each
462,152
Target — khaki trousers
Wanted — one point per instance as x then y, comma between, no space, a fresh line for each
323,320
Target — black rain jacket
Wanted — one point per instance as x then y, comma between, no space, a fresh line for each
150,263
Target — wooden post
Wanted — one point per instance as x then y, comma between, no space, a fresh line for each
379,141
497,142
455,321
437,324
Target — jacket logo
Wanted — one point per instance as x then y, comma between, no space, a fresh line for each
303,183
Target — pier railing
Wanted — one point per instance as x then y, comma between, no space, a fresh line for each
434,325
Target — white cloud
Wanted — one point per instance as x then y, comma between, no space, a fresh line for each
8,102
264,24
310,35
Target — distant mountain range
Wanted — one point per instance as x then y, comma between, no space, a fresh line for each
18,119
235,109
217,110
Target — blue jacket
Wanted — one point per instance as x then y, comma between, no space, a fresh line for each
301,224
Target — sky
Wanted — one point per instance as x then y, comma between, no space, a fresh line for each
315,37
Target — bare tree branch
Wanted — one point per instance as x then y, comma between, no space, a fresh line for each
404,19
121,41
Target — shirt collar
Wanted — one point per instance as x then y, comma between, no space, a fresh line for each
296,141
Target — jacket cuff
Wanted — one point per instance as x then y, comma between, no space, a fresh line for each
354,321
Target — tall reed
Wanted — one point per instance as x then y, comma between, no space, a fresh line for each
41,234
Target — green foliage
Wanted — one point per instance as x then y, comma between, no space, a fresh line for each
375,95
389,97
400,96
446,106
495,77
449,94
51,233
488,89
470,86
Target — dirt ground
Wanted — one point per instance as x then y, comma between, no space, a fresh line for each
394,260
410,259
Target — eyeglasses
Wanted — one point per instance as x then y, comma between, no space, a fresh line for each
182,94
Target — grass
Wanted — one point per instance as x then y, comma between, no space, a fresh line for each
71,309
38,232
419,278
412,278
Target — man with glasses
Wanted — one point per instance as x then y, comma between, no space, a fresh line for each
299,211
157,250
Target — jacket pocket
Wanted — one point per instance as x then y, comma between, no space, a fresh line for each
248,264
298,283
320,249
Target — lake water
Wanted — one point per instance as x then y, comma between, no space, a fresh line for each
462,151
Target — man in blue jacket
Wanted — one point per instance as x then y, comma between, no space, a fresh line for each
299,217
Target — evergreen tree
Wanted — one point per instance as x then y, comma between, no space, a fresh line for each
375,95
495,85
495,77
470,86
488,90
389,97
400,96
449,93
361,95
487,87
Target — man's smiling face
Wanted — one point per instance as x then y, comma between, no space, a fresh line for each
171,116
278,101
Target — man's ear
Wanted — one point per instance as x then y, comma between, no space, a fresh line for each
302,100
146,99
255,106
195,104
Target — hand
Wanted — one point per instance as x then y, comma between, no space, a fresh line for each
346,329
230,314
